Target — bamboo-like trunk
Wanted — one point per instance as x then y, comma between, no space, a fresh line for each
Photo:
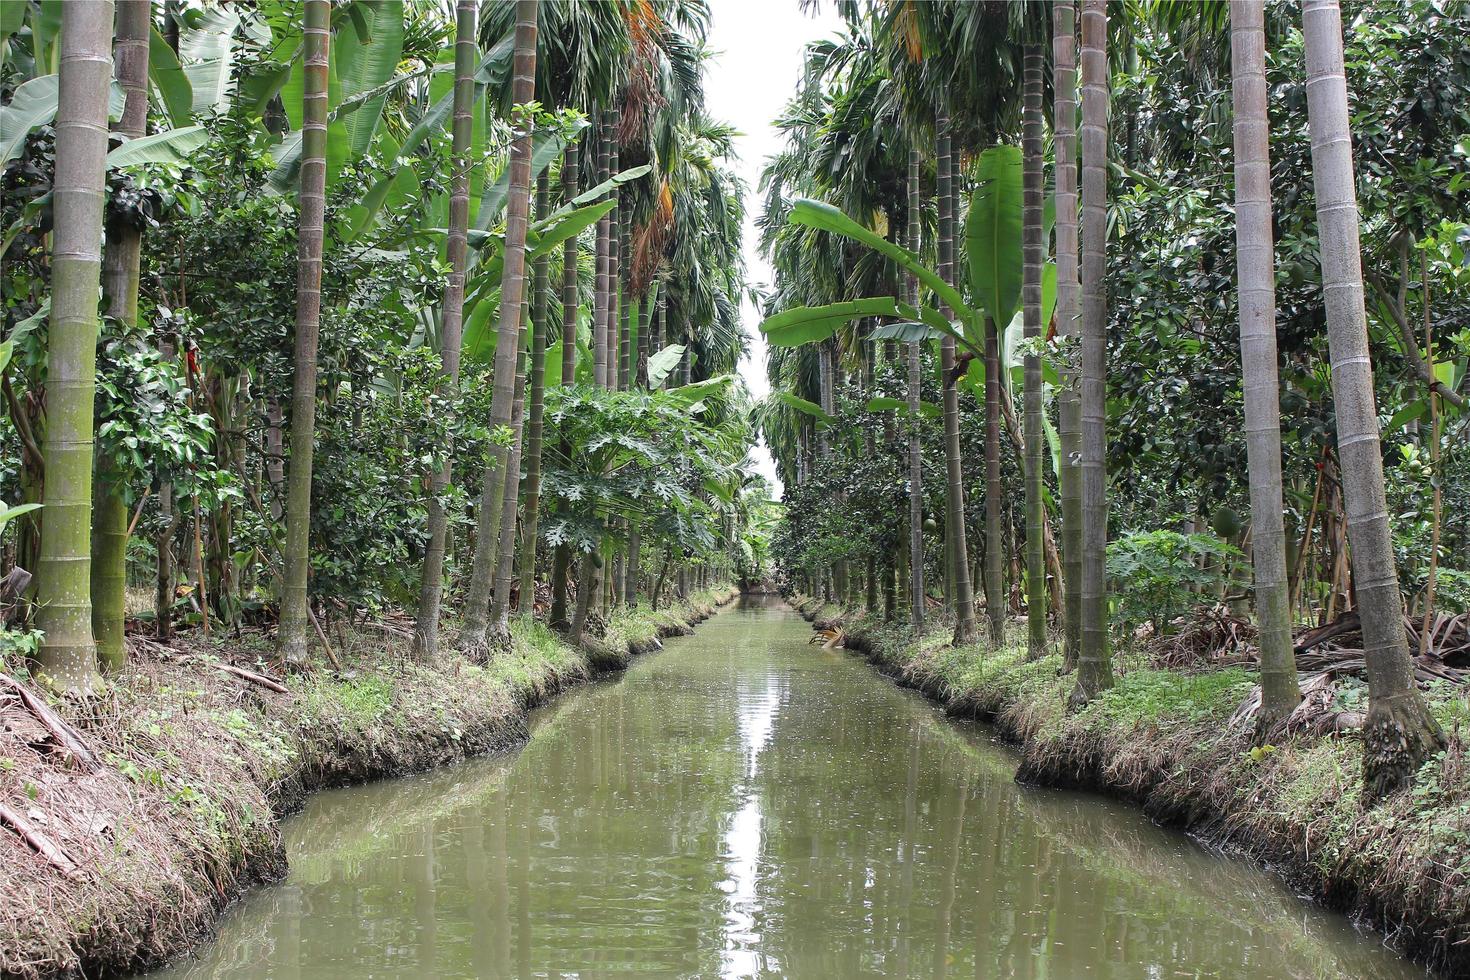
995,554
603,300
507,351
1094,665
1256,290
916,457
295,612
1399,732
1069,421
1033,256
531,509
958,563
562,561
510,497
68,654
120,262
451,319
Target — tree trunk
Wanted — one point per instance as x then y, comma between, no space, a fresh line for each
451,318
916,456
995,554
1256,289
1094,666
508,346
531,509
68,655
959,562
510,496
292,632
1064,52
601,314
120,284
1034,256
1399,733
562,562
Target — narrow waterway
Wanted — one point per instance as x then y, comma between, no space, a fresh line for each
746,804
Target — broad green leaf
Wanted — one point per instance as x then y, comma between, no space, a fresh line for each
1405,415
802,405
926,409
7,347
374,60
825,217
207,53
906,331
993,233
170,80
596,193
34,104
545,147
8,514
170,146
480,337
662,364
809,324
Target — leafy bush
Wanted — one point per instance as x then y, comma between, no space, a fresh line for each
1159,575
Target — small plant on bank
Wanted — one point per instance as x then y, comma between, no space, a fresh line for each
1160,575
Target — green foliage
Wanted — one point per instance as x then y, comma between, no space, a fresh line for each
1158,575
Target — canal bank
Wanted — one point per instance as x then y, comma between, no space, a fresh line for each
744,803
1163,740
196,766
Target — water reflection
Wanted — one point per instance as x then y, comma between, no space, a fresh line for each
744,804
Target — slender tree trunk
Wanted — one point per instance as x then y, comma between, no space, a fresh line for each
68,654
1399,732
916,455
508,346
1033,259
295,613
1064,60
1256,289
1094,665
601,313
959,562
530,516
120,284
995,551
451,318
510,497
562,562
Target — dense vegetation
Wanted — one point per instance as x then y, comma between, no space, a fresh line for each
1176,361
404,306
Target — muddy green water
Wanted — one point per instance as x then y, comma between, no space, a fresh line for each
746,804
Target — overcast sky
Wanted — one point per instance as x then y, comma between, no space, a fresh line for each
758,51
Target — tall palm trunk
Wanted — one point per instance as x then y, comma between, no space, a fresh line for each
1399,732
451,319
1256,289
1094,666
603,301
530,510
509,498
68,655
1032,258
291,635
508,340
562,561
959,563
1064,115
120,284
916,457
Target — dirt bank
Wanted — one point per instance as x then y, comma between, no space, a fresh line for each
1164,739
115,866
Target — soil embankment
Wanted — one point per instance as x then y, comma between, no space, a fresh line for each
118,864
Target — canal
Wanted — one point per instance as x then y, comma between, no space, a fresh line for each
746,804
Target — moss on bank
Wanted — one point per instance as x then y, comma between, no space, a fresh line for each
198,768
1164,739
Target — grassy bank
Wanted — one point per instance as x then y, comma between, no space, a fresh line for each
1164,739
197,766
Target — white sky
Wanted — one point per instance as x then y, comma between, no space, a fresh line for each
757,67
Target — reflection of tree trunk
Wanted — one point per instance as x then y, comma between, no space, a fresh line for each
952,848
477,877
